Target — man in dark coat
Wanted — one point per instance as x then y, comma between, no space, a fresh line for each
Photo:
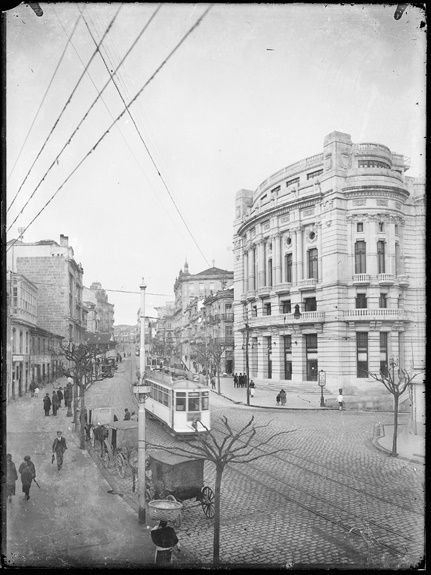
60,396
55,403
58,448
11,477
126,414
47,404
28,473
165,539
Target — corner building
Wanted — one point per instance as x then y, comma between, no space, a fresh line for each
337,238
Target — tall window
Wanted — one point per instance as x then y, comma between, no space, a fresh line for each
287,356
270,272
269,348
264,266
381,257
361,301
254,311
311,356
27,349
255,271
383,302
360,227
287,307
312,263
381,227
384,352
310,304
267,309
288,267
362,354
14,349
397,259
360,257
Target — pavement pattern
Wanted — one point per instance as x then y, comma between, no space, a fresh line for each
327,498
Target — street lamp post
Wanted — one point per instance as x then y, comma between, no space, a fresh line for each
322,383
141,392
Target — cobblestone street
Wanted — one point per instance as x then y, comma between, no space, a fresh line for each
328,498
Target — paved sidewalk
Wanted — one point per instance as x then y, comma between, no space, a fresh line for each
411,447
72,520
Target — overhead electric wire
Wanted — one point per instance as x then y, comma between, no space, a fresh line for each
64,108
99,94
151,78
69,40
142,140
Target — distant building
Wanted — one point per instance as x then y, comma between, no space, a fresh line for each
163,342
219,318
51,267
124,335
330,269
32,352
100,313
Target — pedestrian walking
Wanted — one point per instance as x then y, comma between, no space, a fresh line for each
240,380
277,399
283,397
36,391
32,387
28,473
60,396
11,477
213,382
235,380
54,403
165,539
340,400
126,414
58,448
252,388
47,404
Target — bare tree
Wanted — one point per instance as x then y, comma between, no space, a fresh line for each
397,381
228,447
81,356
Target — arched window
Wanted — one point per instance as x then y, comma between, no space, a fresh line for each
14,350
381,257
360,257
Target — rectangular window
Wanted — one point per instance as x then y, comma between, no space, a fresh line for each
287,306
359,227
228,331
360,257
383,300
180,401
254,311
381,257
315,174
264,266
287,356
361,301
288,267
384,352
397,259
362,354
275,190
267,309
381,227
396,229
312,263
270,272
373,164
292,181
311,356
269,356
193,401
310,304
205,400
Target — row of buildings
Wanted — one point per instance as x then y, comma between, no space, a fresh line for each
47,303
329,275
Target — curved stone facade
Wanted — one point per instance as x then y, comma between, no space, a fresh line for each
327,236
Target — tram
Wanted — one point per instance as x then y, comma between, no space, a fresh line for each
177,400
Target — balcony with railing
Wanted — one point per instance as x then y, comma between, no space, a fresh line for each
403,280
308,283
386,279
371,149
286,319
393,314
283,287
361,279
264,291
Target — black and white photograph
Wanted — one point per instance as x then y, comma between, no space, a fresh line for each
214,271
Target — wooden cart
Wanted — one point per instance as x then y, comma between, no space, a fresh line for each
176,477
121,447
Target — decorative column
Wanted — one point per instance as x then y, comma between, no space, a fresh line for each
390,248
298,357
295,257
251,284
261,349
260,264
244,273
299,256
276,259
277,357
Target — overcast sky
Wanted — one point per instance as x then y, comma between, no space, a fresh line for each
254,88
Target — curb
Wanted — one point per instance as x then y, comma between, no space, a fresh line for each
388,452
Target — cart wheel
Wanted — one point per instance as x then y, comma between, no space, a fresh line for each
207,502
119,464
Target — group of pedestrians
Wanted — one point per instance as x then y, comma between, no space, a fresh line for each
240,380
54,402
281,398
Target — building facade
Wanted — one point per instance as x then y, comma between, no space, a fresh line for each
51,267
329,268
218,314
100,312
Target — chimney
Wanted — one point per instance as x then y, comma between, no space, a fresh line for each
64,241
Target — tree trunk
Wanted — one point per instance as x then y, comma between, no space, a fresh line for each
217,496
395,436
218,380
82,414
75,401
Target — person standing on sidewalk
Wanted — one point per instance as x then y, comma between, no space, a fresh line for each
32,387
11,477
252,388
60,396
28,473
165,539
235,380
58,448
126,414
47,404
283,397
55,403
340,400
